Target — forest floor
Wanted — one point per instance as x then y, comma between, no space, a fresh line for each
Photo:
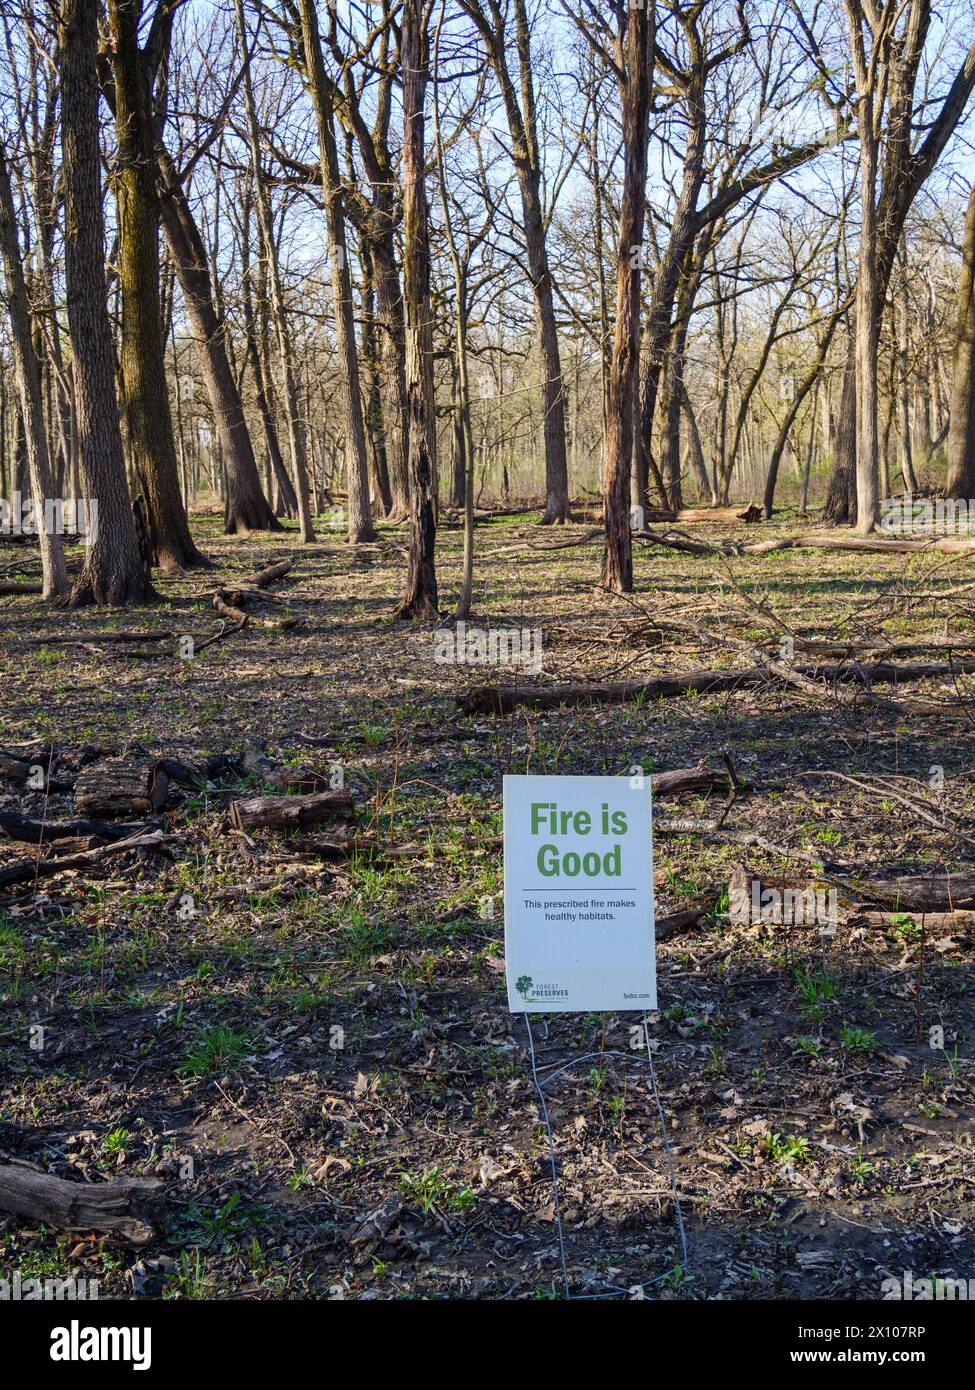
327,1037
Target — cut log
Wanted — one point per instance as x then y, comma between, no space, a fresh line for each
961,921
121,787
501,699
290,812
689,779
112,1208
675,922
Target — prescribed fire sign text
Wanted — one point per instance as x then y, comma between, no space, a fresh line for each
578,894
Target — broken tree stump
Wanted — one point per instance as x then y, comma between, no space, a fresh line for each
115,1208
290,812
120,787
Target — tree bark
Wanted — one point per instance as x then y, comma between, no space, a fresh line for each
145,397
360,527
114,571
247,507
961,435
617,573
420,598
269,249
54,574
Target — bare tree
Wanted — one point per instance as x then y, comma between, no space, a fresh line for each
116,568
145,398
27,373
420,598
961,435
360,527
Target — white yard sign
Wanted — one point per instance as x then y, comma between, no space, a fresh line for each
578,894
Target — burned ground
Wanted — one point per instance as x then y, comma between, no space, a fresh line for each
311,1045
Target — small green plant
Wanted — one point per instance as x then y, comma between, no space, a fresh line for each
219,1050
858,1039
431,1189
807,1046
861,1168
785,1150
816,990
188,1278
116,1143
426,1190
715,1065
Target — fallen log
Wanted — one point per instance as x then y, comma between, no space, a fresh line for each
147,634
960,921
674,922
290,812
229,604
9,586
935,892
27,870
750,515
36,832
268,575
113,1208
121,787
499,699
810,540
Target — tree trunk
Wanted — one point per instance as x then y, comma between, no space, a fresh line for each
287,496
841,503
961,435
360,527
27,374
420,598
618,559
247,508
114,571
145,397
296,438
378,458
522,126
389,308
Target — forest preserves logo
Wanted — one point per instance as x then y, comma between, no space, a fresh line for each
530,992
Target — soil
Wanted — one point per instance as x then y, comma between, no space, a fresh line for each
314,1048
